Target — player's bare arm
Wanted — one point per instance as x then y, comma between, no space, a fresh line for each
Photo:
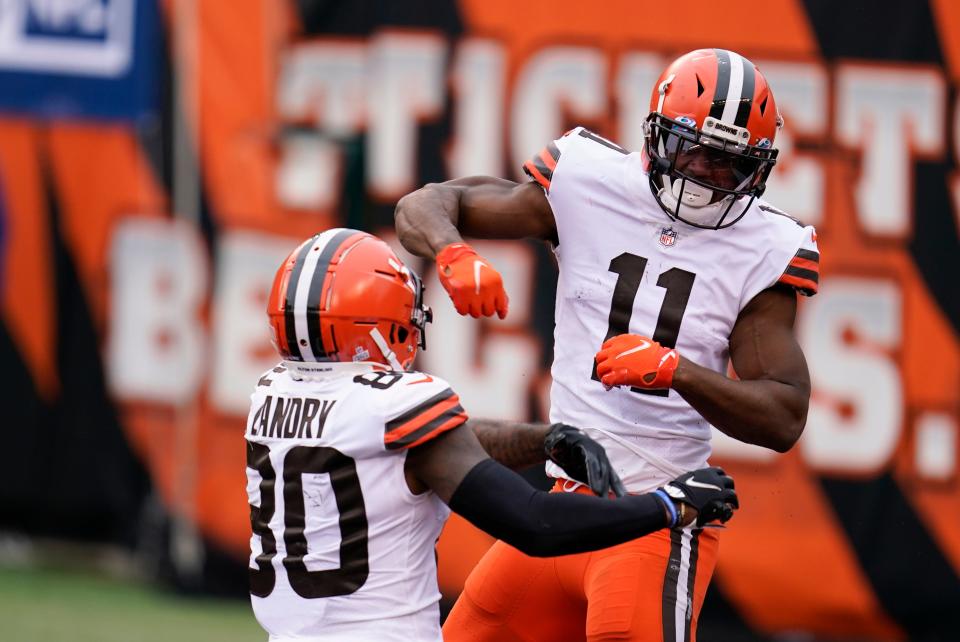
768,405
518,445
515,445
442,463
431,221
440,214
502,503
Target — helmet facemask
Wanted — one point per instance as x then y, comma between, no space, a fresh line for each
701,176
394,344
421,314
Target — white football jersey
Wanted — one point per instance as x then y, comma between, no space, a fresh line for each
341,548
625,266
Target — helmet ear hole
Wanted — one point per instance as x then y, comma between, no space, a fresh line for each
402,334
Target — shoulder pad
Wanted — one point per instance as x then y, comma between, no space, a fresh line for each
541,166
420,407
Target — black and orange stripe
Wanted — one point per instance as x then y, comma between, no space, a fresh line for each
803,272
436,415
541,167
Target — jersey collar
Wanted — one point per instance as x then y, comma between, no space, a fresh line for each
323,370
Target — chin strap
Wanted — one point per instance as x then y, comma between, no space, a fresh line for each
707,216
704,215
388,354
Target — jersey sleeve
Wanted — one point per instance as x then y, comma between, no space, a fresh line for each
541,166
803,271
421,408
786,254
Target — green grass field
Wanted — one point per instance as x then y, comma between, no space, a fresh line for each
61,606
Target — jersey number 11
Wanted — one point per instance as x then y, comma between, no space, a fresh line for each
678,283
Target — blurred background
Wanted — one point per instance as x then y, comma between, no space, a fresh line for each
158,158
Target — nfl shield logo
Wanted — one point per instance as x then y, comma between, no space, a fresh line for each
668,236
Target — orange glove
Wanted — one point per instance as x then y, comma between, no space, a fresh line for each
632,360
473,285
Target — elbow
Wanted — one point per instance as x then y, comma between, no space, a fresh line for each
793,420
788,435
415,212
404,220
408,202
401,215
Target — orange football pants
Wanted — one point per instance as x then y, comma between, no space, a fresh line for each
649,589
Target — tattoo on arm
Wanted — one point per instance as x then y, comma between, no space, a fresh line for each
513,444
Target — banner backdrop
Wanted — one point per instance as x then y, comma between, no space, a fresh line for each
138,245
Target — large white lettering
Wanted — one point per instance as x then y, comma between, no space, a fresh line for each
892,116
246,263
155,349
797,182
848,332
406,86
479,86
554,82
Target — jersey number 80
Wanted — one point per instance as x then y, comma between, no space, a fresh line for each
354,558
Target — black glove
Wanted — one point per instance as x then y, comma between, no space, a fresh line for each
583,459
709,490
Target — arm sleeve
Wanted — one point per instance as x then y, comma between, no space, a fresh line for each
540,524
422,407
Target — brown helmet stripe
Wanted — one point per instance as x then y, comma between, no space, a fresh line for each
733,96
746,94
315,336
723,83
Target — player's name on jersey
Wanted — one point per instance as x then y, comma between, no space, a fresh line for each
291,417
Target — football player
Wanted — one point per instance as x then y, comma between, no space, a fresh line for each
671,265
352,458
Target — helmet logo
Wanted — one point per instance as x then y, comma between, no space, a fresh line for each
763,143
725,131
686,120
668,237
361,354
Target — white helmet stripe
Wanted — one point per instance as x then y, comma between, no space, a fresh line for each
734,88
303,292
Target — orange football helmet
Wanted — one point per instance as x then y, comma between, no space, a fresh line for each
709,137
343,295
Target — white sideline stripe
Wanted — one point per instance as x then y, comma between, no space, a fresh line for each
734,89
303,291
683,603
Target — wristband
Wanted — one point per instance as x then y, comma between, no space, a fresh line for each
662,495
